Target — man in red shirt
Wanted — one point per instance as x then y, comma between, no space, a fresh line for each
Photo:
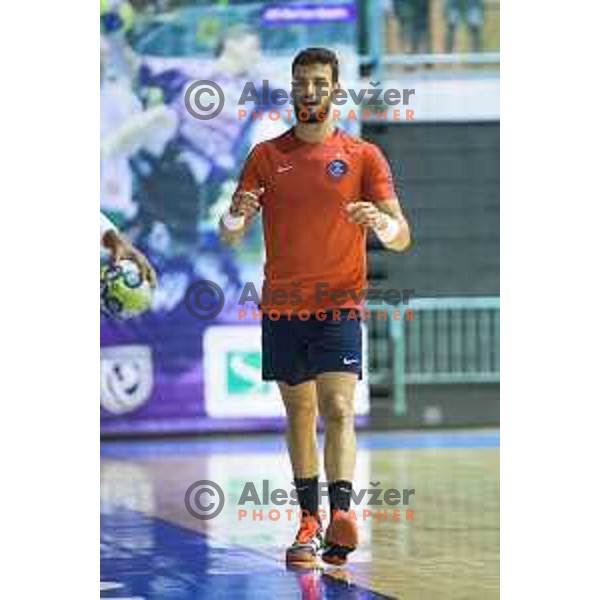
319,191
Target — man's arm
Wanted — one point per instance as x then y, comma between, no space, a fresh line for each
379,208
158,123
401,240
121,248
387,221
237,220
232,238
245,203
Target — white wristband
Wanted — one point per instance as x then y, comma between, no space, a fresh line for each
233,222
389,231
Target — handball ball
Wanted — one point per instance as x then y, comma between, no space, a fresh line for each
116,15
124,293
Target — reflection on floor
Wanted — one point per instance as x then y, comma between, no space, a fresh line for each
167,534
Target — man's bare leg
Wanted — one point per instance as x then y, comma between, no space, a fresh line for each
301,407
335,394
300,403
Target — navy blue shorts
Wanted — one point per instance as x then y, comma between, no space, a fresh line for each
294,351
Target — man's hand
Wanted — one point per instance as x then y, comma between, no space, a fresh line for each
246,204
121,249
385,219
365,213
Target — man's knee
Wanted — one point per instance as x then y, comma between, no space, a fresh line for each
337,407
300,404
301,411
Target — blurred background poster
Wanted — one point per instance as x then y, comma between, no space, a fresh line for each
167,182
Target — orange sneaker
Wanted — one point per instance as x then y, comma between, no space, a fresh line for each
307,544
341,538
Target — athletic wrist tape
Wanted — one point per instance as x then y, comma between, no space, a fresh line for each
388,232
233,222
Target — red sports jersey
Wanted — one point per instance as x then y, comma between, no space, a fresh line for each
315,257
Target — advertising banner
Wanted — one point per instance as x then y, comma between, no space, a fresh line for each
166,183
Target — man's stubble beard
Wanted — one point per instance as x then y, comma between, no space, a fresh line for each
315,115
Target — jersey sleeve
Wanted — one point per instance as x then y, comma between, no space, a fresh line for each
377,182
252,177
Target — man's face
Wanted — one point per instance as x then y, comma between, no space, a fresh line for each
242,51
312,86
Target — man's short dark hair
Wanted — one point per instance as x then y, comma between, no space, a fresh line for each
321,56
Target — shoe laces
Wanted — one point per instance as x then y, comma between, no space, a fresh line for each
309,528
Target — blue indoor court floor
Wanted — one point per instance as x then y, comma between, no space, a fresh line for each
153,548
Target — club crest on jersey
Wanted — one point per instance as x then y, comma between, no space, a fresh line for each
337,168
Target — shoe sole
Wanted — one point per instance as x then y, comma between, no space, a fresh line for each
300,558
336,555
